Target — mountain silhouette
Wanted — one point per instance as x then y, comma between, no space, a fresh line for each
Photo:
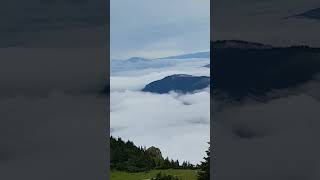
310,14
181,83
190,56
254,70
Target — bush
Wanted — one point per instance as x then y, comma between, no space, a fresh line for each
164,177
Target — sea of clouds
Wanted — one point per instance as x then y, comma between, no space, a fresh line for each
52,119
276,139
178,124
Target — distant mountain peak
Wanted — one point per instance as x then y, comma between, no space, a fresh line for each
258,72
179,76
182,83
137,59
205,54
239,44
310,14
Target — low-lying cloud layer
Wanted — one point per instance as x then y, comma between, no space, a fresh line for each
39,71
178,124
52,120
277,139
137,79
172,122
54,137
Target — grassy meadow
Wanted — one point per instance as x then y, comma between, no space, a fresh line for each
182,174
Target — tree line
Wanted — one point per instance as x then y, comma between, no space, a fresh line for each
126,156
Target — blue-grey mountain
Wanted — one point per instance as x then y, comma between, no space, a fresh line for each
253,70
181,83
190,56
311,14
139,63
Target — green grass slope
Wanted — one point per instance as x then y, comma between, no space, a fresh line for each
180,173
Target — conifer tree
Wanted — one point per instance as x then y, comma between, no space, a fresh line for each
204,174
177,165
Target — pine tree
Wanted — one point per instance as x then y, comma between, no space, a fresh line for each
204,174
167,163
177,165
184,165
172,164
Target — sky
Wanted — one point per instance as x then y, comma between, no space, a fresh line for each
154,29
47,23
264,21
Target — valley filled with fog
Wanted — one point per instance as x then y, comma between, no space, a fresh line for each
176,122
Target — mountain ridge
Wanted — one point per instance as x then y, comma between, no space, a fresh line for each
205,54
313,14
245,72
181,83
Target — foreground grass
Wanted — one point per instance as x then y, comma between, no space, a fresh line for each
182,174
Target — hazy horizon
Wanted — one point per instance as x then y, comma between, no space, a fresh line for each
153,29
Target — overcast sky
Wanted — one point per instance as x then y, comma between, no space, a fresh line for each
265,21
159,28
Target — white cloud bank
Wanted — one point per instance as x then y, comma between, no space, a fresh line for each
51,117
275,140
177,124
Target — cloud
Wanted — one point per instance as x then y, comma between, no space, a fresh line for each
172,122
140,28
53,64
50,137
40,71
163,121
40,23
51,116
48,14
136,79
152,29
271,140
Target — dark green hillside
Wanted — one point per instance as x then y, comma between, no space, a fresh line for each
125,156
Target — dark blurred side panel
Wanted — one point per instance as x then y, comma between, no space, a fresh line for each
53,70
265,89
